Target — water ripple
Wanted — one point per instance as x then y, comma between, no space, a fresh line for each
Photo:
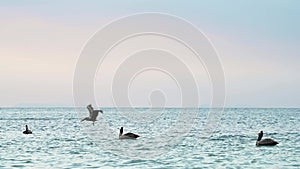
59,140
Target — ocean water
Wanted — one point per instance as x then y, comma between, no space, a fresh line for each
169,138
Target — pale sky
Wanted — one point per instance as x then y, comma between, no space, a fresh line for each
258,43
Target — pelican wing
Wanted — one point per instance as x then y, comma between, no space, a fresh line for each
90,108
268,142
132,135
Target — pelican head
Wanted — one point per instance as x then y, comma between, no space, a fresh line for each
260,135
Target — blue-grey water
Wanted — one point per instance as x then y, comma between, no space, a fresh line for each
168,139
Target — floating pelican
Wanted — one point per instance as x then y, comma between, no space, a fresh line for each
93,114
27,131
265,142
127,135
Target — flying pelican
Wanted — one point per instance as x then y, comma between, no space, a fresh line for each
265,142
93,114
127,135
27,131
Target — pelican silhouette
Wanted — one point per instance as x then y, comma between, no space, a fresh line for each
127,135
27,131
93,114
264,142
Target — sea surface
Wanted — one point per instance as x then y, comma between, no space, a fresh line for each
169,138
